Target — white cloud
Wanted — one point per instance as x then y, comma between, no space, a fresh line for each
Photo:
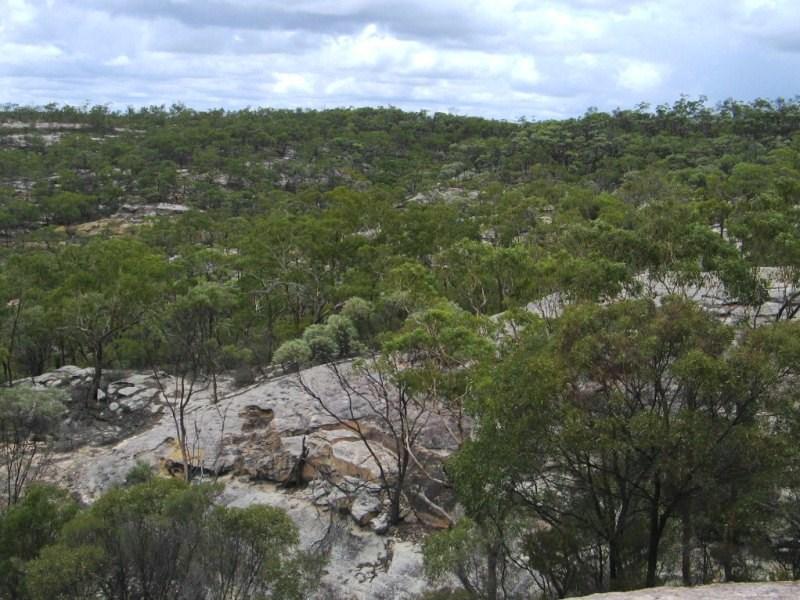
118,61
638,76
12,53
16,12
505,58
292,83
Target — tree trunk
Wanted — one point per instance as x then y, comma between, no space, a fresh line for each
214,389
98,373
394,504
727,568
655,533
11,341
686,543
730,536
501,297
187,474
491,573
613,565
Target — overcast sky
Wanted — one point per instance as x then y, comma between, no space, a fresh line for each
497,58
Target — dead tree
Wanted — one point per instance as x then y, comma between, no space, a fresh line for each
384,411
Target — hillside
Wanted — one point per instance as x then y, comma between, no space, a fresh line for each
466,358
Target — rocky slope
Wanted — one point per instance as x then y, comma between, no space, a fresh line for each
252,441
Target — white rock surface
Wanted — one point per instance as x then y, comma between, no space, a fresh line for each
253,439
720,591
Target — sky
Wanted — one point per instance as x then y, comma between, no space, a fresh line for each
508,59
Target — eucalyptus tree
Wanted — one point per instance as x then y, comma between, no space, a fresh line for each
109,286
29,419
619,424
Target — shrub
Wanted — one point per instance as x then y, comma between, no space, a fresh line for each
322,342
344,333
292,355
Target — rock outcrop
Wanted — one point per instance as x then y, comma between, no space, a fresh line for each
782,297
720,591
269,443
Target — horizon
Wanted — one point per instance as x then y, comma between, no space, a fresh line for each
641,107
507,60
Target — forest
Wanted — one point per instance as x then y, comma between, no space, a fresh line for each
605,305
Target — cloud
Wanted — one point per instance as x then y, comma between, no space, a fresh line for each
500,58
639,76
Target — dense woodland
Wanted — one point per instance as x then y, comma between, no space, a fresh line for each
616,442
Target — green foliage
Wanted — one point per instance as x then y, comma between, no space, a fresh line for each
165,539
414,242
254,555
322,342
64,573
344,333
141,472
655,410
28,418
28,527
293,354
362,203
456,550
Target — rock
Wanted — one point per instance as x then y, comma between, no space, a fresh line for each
255,440
366,507
135,379
66,375
380,524
75,372
402,578
720,591
138,402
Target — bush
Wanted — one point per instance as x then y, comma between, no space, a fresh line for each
344,333
243,376
28,417
292,355
165,539
26,528
322,342
139,473
358,310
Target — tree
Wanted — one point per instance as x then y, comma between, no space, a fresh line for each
420,370
293,354
186,340
109,288
255,555
617,428
164,539
25,529
472,554
28,418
